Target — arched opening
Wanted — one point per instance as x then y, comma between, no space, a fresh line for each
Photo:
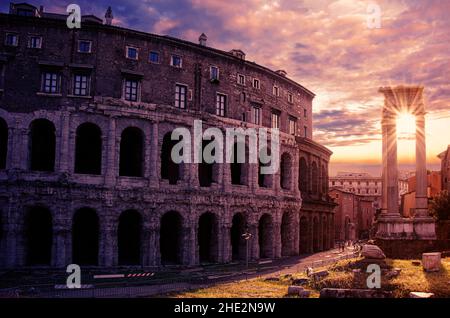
171,238
304,237
264,180
303,176
324,233
169,170
129,238
85,237
206,173
238,245
38,236
3,143
288,233
265,236
324,180
315,234
207,237
315,178
239,164
285,171
131,152
88,149
347,229
42,145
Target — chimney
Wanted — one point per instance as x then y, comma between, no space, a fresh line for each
202,39
109,16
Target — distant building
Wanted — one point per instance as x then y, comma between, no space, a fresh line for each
445,169
362,183
354,214
408,202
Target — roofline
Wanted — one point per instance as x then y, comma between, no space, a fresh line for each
314,144
174,40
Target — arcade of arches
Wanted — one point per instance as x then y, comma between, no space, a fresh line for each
131,241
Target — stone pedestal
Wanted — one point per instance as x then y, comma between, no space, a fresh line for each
431,262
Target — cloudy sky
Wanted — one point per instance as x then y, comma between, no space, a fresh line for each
327,46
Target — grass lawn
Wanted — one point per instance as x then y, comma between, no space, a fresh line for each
341,275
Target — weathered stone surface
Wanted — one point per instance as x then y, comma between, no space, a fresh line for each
420,295
300,281
319,275
353,293
304,294
431,262
295,290
372,252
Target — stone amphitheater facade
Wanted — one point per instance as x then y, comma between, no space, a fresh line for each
85,177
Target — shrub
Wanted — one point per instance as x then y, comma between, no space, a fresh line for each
440,206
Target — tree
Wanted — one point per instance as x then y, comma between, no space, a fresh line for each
440,206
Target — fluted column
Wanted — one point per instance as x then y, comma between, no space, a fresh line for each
384,167
421,168
391,167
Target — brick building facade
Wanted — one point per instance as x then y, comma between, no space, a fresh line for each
85,176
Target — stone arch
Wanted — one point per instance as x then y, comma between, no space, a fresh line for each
3,143
85,237
238,227
303,176
42,145
170,170
266,236
239,170
171,238
129,234
285,171
207,172
315,236
324,233
324,184
315,178
304,239
38,236
88,149
207,236
264,180
288,232
131,152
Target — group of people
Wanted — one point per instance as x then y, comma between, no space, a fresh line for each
343,244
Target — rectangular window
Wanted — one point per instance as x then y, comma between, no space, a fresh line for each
241,79
256,115
132,53
84,46
256,83
221,104
180,96
35,42
153,57
306,132
131,90
81,83
292,126
50,82
275,120
214,73
276,91
305,113
11,39
176,61
290,98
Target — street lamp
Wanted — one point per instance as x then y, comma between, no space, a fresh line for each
246,236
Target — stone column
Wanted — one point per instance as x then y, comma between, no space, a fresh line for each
64,142
391,173
277,238
111,164
147,245
155,167
226,243
421,168
384,168
108,245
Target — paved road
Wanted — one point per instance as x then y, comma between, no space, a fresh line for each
191,278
